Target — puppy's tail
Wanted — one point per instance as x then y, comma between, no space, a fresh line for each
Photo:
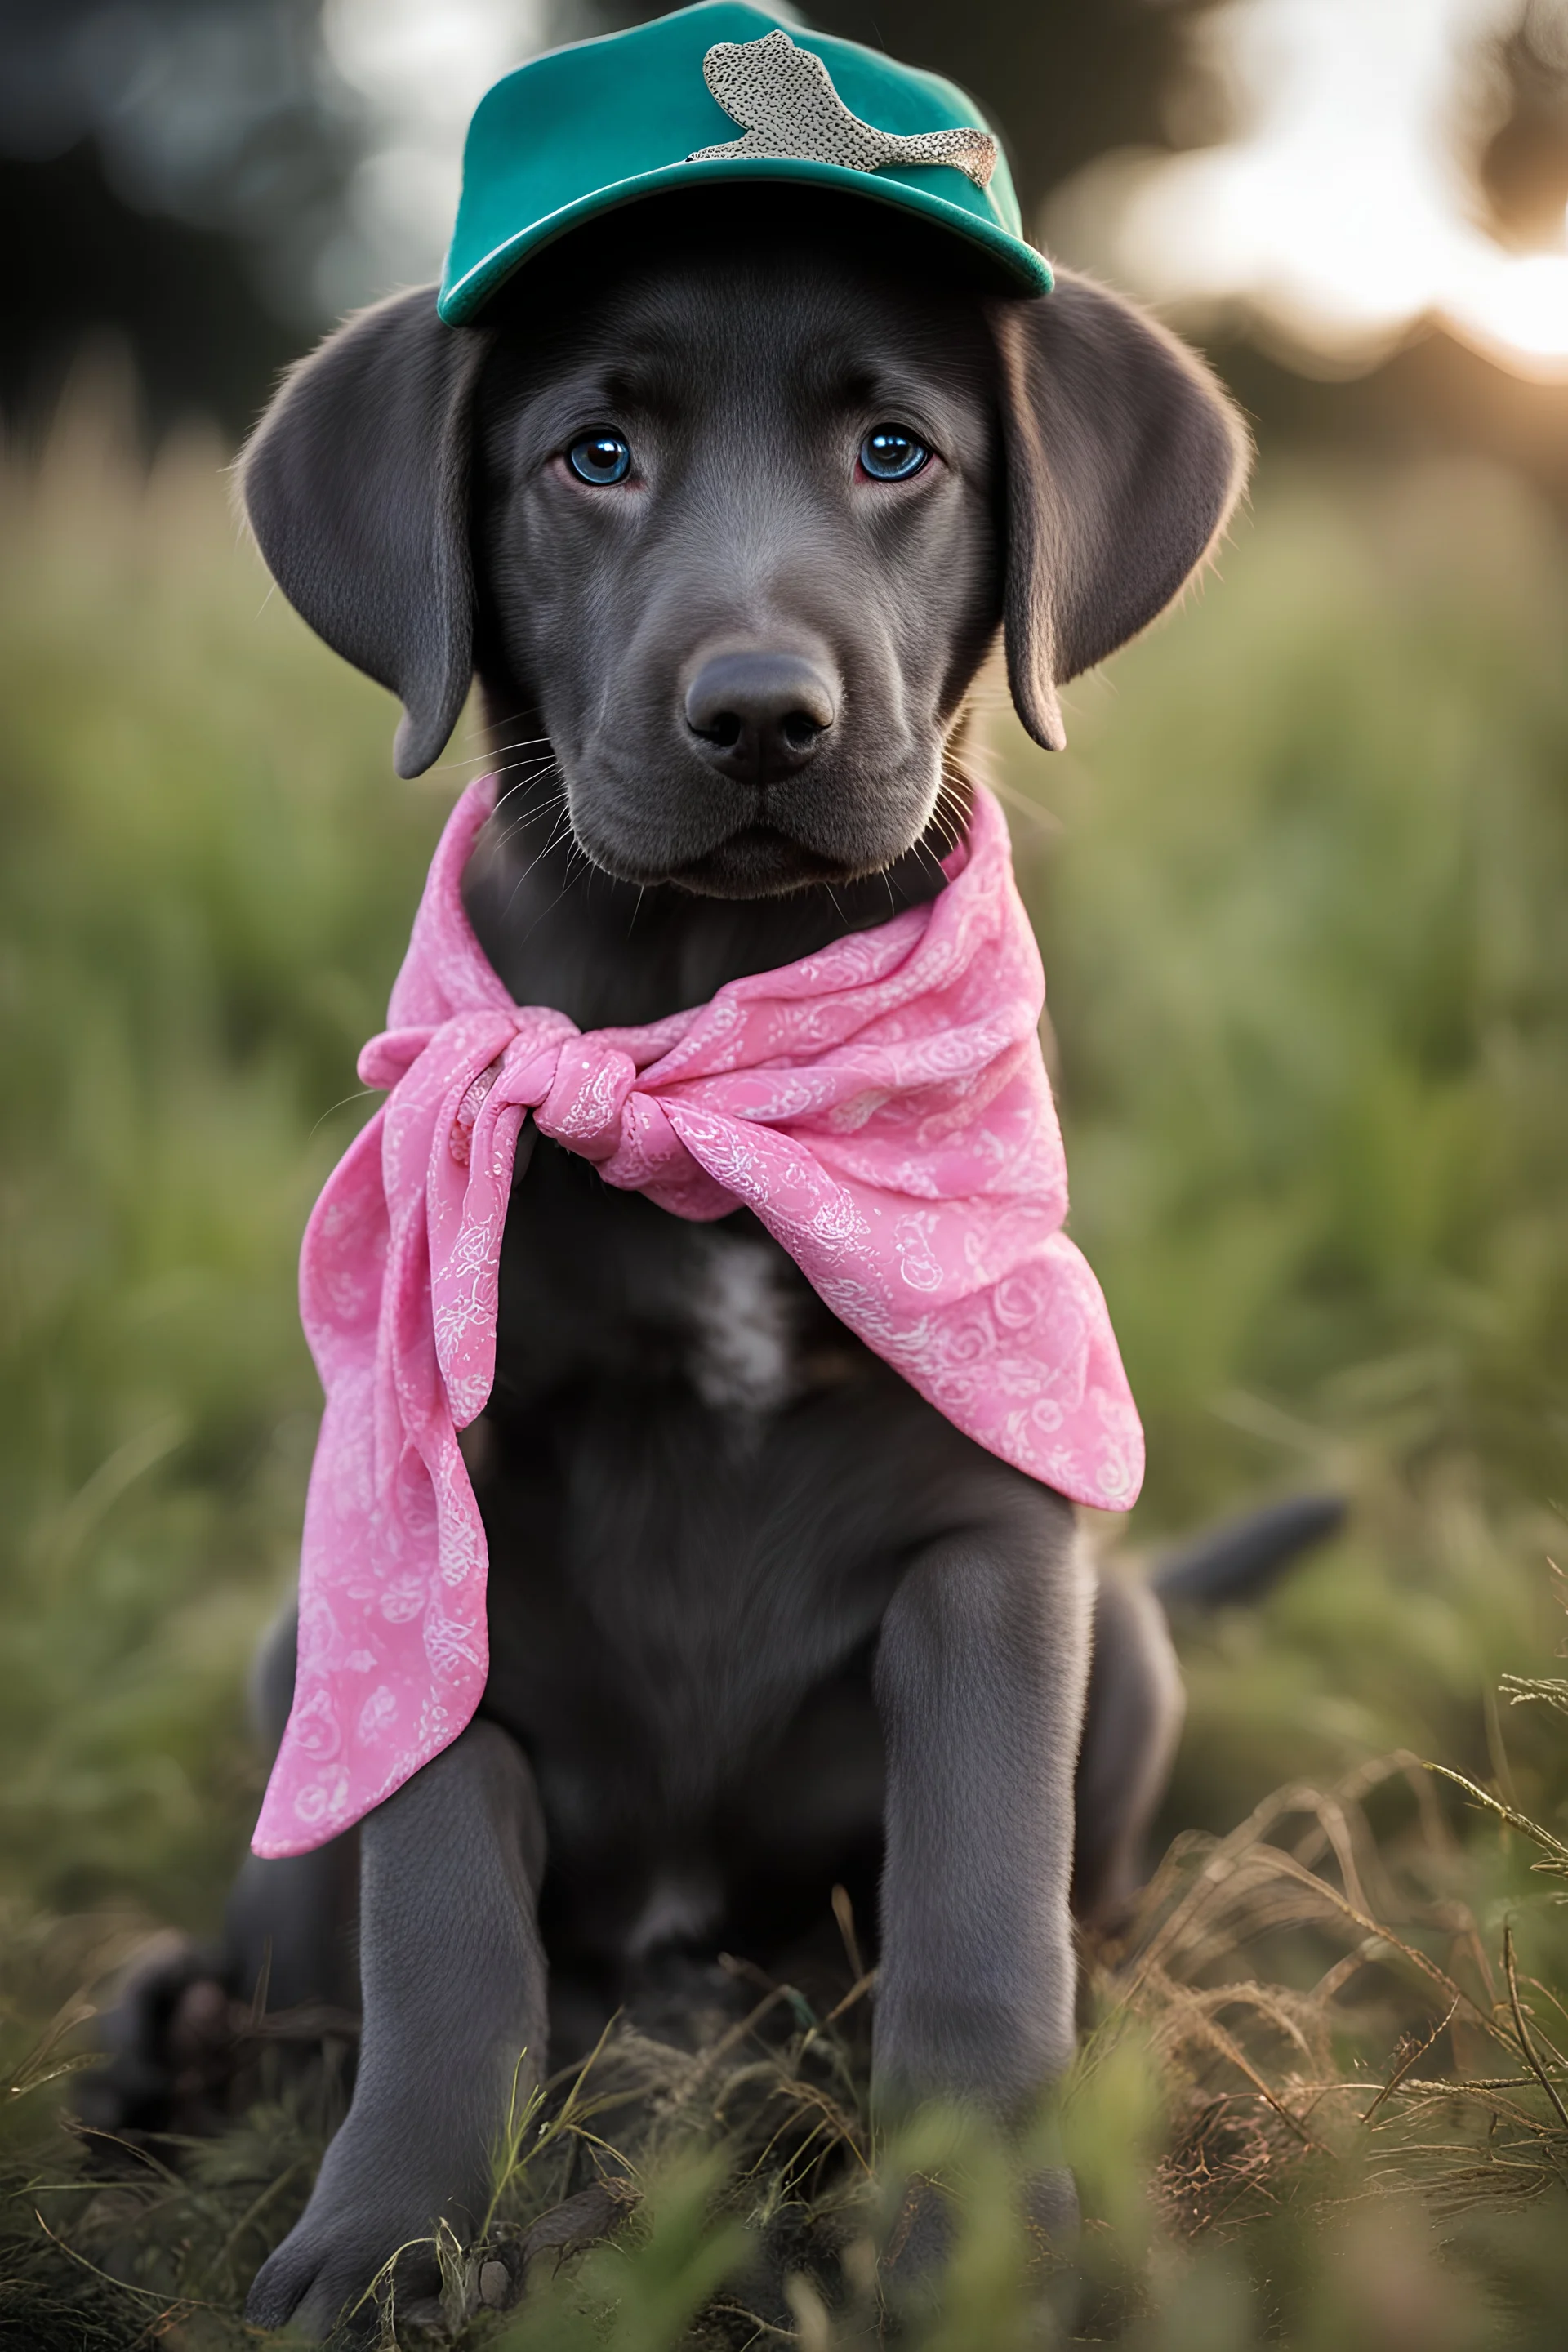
1134,1718
1243,1558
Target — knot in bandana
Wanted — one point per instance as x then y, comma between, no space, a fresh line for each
883,1108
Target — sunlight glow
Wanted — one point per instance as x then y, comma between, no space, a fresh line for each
1343,214
420,67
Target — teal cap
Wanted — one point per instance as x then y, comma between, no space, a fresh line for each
721,92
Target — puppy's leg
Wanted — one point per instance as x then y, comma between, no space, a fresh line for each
1133,1723
173,2038
289,1925
453,1978
980,1677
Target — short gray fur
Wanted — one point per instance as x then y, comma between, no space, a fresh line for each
761,1620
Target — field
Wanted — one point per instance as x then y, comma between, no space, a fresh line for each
1300,883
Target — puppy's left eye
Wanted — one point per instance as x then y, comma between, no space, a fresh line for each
888,454
601,458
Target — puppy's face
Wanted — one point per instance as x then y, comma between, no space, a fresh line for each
737,543
726,495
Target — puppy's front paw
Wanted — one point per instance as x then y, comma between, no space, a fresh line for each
328,2276
920,2240
1051,2213
920,2243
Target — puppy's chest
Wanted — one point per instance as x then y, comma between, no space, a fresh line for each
602,1291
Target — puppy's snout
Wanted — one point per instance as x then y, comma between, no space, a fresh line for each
759,716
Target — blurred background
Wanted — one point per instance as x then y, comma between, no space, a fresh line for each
1301,878
1360,207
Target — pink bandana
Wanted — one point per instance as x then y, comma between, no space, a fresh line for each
883,1108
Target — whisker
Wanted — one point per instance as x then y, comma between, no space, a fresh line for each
527,818
941,817
953,799
924,849
536,775
497,727
479,758
558,830
528,772
522,784
526,756
1047,823
538,765
551,809
537,859
545,912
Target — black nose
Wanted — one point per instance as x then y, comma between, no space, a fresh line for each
759,716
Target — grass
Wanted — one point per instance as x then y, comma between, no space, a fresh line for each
1300,882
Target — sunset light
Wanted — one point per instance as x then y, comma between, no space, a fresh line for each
1346,210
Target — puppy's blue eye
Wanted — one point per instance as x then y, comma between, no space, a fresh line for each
891,455
600,458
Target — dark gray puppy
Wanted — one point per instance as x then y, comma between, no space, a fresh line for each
761,1620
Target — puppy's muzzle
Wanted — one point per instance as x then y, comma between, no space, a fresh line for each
760,716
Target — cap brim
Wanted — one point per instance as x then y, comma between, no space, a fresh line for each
1007,263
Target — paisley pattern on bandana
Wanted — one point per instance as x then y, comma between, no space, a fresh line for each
880,1105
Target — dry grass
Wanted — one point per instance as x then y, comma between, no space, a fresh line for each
1302,917
1306,2024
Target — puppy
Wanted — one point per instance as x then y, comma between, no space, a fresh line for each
762,1621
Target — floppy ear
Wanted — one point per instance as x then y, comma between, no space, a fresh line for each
1123,461
356,484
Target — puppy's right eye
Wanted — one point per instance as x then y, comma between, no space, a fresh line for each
601,458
